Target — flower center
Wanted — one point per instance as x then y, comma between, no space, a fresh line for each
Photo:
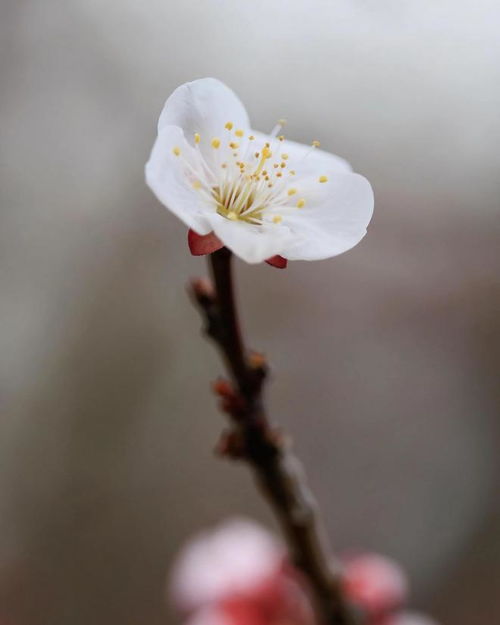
248,180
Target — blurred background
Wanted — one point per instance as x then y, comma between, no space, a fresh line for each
385,359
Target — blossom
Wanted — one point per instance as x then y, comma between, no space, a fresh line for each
262,196
375,583
237,574
232,559
410,618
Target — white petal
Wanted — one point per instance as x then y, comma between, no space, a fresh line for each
203,106
252,243
304,159
335,224
411,618
166,176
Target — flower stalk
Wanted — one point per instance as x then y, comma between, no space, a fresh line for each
254,440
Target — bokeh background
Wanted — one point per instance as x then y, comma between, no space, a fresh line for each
386,359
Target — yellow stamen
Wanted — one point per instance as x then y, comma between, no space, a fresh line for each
197,137
292,191
232,216
229,125
281,138
251,137
301,203
197,184
283,164
323,179
281,122
239,133
215,143
233,145
176,150
278,219
284,157
315,144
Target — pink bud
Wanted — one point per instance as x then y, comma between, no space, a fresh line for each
376,583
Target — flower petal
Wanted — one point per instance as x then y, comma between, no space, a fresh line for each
334,225
305,159
252,243
199,245
167,176
203,106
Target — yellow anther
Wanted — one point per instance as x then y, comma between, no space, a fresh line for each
323,179
268,144
229,125
281,122
257,154
279,174
284,157
239,133
278,219
292,191
215,143
275,165
233,145
232,216
266,178
301,203
251,137
224,165
315,144
197,184
292,172
197,137
176,150
270,185
281,138
283,164
266,152
264,172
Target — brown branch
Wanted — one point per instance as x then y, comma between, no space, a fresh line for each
254,440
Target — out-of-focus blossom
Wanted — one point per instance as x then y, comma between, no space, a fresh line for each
262,196
375,583
233,559
237,574
410,618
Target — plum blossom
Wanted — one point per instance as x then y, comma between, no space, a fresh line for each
410,618
262,196
237,574
374,582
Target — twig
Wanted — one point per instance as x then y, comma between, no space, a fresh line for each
255,441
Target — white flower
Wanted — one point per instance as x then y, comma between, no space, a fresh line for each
259,195
411,618
232,559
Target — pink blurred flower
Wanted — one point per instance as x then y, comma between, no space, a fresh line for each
375,583
410,618
233,559
237,574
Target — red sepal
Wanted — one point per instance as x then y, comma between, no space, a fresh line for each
201,244
277,261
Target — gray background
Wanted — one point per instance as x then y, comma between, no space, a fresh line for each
386,359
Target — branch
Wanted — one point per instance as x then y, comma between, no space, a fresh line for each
253,439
